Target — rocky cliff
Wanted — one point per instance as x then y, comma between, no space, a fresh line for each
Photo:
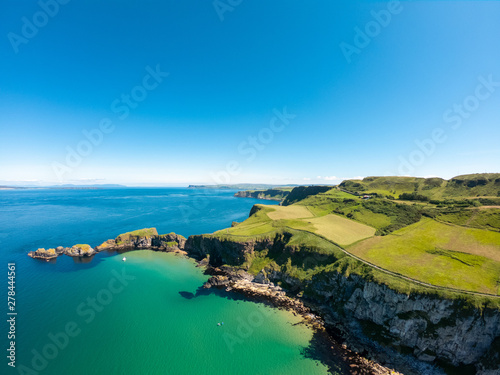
375,319
431,328
223,251
269,194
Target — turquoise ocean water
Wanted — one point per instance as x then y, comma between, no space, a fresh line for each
139,316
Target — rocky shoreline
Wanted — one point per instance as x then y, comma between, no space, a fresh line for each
241,282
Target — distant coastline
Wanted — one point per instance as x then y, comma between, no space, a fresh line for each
242,186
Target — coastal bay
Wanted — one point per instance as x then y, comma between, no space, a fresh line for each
145,323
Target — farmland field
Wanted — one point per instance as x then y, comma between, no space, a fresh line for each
289,212
437,253
340,230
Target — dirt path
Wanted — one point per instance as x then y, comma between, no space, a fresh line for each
395,274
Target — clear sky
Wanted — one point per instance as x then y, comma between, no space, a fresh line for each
256,91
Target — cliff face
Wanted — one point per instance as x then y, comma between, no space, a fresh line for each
432,329
139,239
301,192
269,194
221,251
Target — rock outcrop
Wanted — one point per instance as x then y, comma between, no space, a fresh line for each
249,285
223,251
43,254
169,242
106,245
269,194
80,251
140,239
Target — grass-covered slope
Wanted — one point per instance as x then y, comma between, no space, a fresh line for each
439,254
382,214
301,192
452,243
270,219
340,230
466,186
392,186
472,185
480,217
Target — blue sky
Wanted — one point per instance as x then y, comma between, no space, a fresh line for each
257,91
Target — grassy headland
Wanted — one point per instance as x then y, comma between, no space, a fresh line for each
448,238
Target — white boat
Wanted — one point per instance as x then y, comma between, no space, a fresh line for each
124,259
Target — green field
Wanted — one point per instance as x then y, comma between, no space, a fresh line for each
340,230
257,224
382,214
482,218
289,212
438,254
271,218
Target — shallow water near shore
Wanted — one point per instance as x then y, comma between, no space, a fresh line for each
135,317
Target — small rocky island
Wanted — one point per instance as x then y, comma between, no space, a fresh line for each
140,239
80,250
